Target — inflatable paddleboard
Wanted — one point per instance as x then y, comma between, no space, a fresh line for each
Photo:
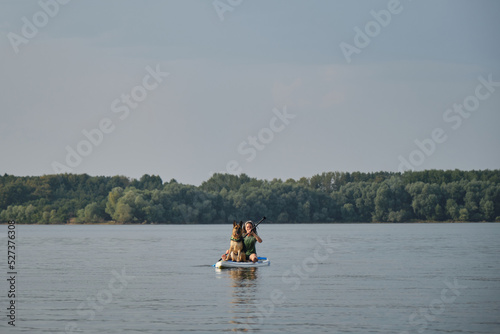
262,262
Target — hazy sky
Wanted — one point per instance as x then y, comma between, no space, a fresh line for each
273,89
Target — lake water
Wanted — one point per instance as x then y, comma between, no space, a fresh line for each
334,278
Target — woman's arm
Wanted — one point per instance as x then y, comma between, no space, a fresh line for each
257,237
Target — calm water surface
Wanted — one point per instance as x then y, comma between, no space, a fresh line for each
359,278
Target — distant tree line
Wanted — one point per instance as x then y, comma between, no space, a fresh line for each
432,195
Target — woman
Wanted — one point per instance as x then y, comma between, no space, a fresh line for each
249,240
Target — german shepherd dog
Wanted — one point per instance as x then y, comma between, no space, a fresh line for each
237,248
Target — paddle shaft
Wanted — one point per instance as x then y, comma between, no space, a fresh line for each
255,226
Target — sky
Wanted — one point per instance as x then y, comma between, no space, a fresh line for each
270,88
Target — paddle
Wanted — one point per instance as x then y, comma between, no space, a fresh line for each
254,227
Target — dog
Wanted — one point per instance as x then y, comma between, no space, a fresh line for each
237,248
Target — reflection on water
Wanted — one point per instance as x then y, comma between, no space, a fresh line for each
244,289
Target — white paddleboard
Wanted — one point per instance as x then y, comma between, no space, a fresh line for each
262,262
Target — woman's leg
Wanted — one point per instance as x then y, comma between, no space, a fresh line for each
253,257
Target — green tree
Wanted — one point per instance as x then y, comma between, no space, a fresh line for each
113,198
463,214
425,198
452,209
349,213
487,209
93,213
123,213
391,196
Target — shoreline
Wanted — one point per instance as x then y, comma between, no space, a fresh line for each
338,223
